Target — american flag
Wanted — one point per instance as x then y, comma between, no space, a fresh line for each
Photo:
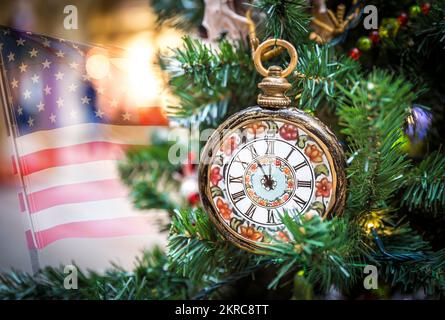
71,116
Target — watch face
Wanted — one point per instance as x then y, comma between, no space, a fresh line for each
261,169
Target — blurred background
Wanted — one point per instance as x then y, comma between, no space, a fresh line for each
129,24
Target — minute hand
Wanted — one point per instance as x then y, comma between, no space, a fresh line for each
262,169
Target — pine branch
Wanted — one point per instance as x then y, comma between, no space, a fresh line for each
426,185
373,114
285,19
205,79
184,14
149,280
327,251
148,172
413,264
317,74
197,250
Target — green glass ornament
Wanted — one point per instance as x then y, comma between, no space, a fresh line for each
414,10
389,28
364,43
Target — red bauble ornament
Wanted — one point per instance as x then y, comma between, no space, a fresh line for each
402,19
426,8
355,53
193,199
374,36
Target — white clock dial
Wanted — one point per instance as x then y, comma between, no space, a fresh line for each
262,170
261,182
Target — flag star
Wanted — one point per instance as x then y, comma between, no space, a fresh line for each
85,77
47,90
7,31
20,42
113,103
11,57
100,90
74,65
73,114
35,78
27,94
60,54
75,46
30,122
99,113
46,43
46,64
59,75
126,116
52,118
14,83
85,100
33,53
41,106
60,102
20,110
61,40
23,67
72,87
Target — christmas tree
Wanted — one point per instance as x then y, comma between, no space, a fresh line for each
381,93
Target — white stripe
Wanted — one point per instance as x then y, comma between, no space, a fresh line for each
76,173
85,211
83,133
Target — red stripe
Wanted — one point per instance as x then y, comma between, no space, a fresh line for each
22,202
95,229
80,153
152,116
75,193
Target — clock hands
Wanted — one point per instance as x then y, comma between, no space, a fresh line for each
267,181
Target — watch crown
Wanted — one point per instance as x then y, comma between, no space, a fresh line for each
274,88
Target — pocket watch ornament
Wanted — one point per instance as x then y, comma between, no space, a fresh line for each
269,159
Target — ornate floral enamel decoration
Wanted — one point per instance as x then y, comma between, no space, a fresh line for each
269,159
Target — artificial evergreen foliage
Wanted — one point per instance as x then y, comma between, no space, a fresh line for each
394,213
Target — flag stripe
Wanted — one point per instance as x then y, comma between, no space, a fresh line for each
82,133
75,193
22,202
152,116
119,227
77,154
29,239
71,174
14,166
85,211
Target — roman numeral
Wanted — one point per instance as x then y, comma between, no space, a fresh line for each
250,212
300,202
236,179
238,196
299,166
290,153
270,216
304,184
244,164
270,147
252,151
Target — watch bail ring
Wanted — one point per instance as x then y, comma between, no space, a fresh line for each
275,42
